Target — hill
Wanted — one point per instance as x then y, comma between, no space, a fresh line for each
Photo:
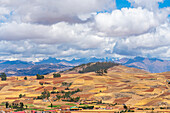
122,85
14,64
91,67
31,70
23,68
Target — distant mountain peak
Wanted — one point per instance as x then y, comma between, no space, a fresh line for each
153,65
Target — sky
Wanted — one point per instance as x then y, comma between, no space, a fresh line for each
37,29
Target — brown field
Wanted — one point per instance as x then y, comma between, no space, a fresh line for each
149,90
121,85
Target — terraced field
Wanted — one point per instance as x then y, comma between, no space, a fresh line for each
121,85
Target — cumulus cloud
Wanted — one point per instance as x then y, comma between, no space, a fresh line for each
53,11
132,21
31,29
148,4
79,35
155,43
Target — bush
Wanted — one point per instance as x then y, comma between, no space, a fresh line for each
54,88
41,83
66,84
67,88
87,107
53,92
25,78
3,76
56,75
40,76
44,94
20,95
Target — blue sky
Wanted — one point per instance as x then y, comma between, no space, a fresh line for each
125,4
64,29
166,3
122,4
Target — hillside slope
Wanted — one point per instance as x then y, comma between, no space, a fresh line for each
121,85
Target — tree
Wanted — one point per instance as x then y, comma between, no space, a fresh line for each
125,107
41,83
7,104
78,90
56,75
21,105
67,88
25,78
40,76
20,95
62,91
58,97
105,70
54,88
51,105
3,76
48,95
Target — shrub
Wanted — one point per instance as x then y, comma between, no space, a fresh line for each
56,75
25,78
41,83
54,88
20,95
3,76
40,76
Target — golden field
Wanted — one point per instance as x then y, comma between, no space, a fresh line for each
121,85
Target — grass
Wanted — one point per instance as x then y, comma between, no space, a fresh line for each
55,106
2,104
49,109
71,104
35,109
84,105
30,105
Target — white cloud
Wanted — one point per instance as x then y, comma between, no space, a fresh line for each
72,28
148,4
132,21
78,35
155,43
53,11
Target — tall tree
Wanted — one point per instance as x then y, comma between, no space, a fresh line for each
7,104
51,105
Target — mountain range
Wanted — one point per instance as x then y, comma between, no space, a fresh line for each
153,65
23,68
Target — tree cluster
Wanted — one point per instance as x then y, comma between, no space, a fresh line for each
56,75
17,106
98,66
44,94
3,76
66,96
87,107
66,84
101,71
40,76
